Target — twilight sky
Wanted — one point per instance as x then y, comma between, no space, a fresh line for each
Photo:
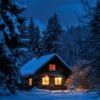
41,10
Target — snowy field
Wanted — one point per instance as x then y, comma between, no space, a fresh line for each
48,95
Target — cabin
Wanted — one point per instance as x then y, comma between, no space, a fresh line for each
46,72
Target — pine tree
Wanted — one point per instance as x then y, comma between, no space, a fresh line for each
8,68
31,29
36,42
10,39
35,38
25,43
10,14
51,35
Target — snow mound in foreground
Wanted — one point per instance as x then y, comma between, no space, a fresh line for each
38,94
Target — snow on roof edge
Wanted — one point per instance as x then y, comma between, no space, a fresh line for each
38,63
24,71
63,61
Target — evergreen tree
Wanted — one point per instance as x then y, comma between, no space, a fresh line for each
10,14
36,43
31,30
25,43
35,38
8,68
51,35
10,39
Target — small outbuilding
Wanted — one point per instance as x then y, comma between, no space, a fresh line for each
46,72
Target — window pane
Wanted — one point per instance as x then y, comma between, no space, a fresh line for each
30,81
58,80
45,80
52,67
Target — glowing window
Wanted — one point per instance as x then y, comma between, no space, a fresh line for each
52,67
45,80
30,81
58,80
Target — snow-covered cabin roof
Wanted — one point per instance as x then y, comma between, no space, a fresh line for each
34,64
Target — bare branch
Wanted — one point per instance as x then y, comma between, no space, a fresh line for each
81,19
87,8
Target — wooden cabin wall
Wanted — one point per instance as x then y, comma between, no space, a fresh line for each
37,76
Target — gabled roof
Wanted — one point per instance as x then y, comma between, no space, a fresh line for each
34,64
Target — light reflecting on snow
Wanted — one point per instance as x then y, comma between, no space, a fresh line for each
38,94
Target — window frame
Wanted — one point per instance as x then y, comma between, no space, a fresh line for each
45,80
30,81
58,81
52,67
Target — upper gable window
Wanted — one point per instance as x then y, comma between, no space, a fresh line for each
52,67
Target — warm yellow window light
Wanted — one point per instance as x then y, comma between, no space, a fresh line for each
30,81
58,80
45,80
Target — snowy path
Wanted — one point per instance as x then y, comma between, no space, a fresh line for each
47,95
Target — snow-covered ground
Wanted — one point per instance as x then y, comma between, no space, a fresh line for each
48,95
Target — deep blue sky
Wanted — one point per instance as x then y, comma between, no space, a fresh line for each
41,10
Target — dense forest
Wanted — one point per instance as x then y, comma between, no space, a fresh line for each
79,46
